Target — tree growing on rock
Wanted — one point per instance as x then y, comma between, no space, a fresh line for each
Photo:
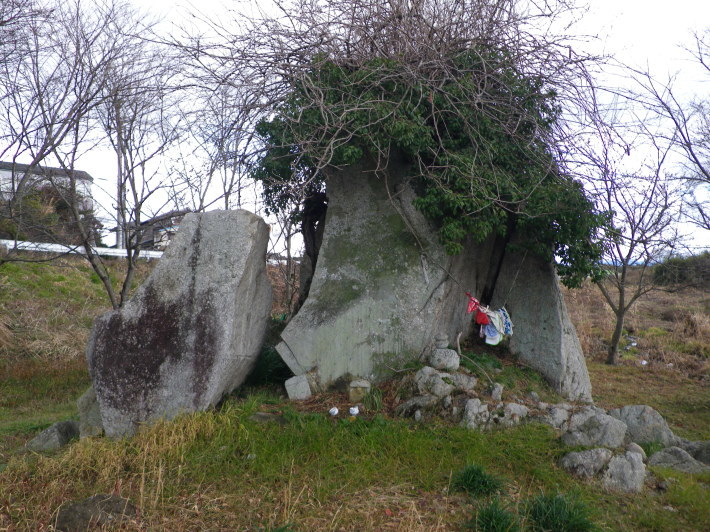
469,95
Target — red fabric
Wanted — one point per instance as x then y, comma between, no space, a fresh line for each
482,318
472,303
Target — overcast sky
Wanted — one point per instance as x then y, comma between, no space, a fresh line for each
641,33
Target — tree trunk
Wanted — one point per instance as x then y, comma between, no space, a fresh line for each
613,357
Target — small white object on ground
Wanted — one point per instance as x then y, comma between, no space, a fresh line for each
354,410
333,411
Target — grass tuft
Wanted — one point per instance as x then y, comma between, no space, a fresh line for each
474,480
494,517
560,513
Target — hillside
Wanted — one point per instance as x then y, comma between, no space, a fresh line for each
225,470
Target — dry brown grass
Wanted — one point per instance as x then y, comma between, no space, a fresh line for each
672,329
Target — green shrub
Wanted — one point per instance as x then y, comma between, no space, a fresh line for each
473,480
494,518
558,513
693,270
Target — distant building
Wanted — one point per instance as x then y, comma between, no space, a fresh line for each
157,232
44,176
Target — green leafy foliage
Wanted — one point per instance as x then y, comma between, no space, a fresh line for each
476,139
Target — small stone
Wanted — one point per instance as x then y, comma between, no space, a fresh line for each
54,437
497,392
418,416
598,430
586,464
358,389
441,341
298,388
463,383
678,459
633,447
410,406
533,396
475,414
430,381
447,401
445,359
645,425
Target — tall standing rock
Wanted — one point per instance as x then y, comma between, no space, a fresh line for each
545,338
192,331
384,287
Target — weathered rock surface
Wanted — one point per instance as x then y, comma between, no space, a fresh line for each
384,286
475,414
445,359
298,388
678,459
90,423
95,512
497,392
544,337
586,464
462,382
358,390
192,331
416,404
625,472
512,414
599,429
54,437
700,450
645,425
430,381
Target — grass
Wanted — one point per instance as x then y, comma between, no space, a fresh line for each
221,470
494,517
474,480
558,512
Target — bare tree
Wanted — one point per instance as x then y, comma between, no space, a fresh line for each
85,79
687,126
644,210
211,170
334,76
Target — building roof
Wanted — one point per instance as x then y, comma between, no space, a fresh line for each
46,171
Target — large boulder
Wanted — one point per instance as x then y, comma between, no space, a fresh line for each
384,287
192,331
645,425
